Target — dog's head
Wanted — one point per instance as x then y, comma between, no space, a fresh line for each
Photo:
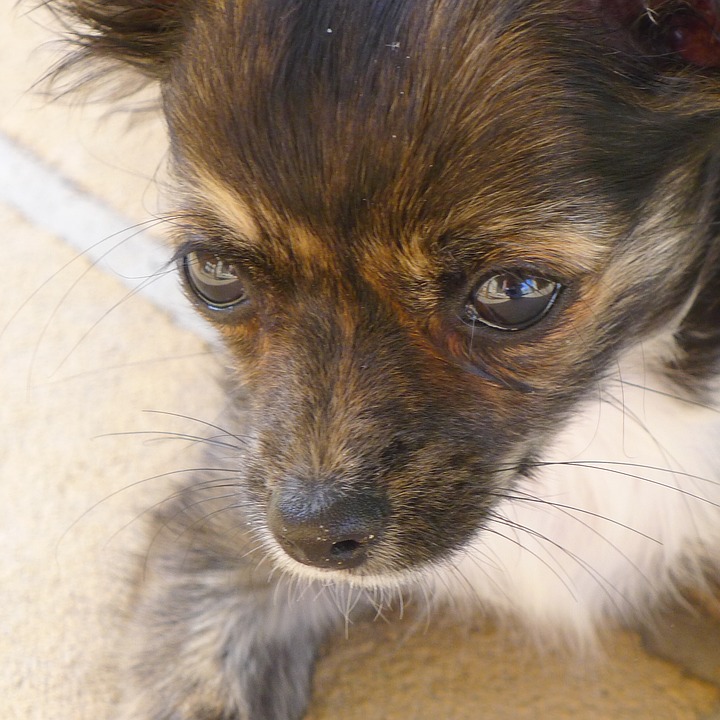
426,230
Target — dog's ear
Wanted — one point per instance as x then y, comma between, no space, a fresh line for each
680,32
676,44
697,362
144,34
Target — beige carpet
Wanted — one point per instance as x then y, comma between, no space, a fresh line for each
82,360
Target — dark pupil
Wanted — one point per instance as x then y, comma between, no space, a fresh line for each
214,279
510,302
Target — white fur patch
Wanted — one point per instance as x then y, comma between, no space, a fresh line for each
632,504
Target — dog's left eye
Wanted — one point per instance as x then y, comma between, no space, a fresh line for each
512,300
214,279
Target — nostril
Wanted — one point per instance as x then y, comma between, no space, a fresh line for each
344,548
323,552
325,529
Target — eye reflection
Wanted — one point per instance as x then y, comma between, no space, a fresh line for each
215,279
512,300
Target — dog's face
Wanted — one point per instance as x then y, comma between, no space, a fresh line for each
427,230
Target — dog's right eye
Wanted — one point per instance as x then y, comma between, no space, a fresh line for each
214,279
512,300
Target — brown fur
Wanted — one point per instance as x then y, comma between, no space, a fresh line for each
366,164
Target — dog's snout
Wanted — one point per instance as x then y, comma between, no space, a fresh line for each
325,528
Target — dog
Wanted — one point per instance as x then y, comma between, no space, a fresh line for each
464,257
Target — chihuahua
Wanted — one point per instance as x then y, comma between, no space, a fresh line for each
464,256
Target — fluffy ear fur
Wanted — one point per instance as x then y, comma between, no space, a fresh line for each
673,32
145,34
698,337
680,41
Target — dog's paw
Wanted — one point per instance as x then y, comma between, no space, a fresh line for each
271,685
193,709
217,646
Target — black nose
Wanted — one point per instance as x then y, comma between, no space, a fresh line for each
325,528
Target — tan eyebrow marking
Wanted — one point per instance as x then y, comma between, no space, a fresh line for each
287,242
227,205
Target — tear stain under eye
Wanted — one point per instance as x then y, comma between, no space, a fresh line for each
509,383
